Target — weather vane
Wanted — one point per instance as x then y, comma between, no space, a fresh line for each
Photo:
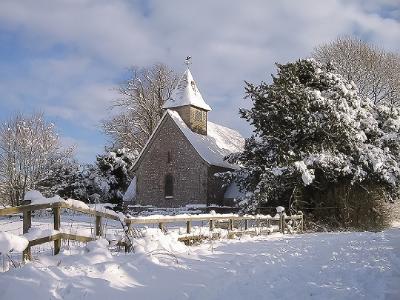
188,61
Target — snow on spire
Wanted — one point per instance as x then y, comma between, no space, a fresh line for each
186,92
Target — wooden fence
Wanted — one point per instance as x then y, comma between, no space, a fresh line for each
283,223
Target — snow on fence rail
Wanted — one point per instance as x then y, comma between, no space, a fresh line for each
284,224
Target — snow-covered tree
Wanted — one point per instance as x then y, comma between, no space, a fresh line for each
109,178
3,191
65,180
139,107
29,149
375,71
314,134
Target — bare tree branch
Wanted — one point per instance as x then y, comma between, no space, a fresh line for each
29,149
374,70
140,106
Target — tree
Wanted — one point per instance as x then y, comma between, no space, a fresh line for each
108,179
3,191
375,71
317,140
65,180
29,149
140,107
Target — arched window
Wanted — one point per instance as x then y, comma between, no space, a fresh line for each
169,157
169,186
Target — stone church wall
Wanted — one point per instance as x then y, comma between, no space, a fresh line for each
189,171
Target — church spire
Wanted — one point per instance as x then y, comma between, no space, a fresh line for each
188,102
186,92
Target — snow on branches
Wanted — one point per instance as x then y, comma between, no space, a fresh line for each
108,180
312,121
30,149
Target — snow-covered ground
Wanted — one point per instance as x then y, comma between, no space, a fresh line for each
308,266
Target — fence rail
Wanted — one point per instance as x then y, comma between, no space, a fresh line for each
283,223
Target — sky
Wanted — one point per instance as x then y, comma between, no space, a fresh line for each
66,57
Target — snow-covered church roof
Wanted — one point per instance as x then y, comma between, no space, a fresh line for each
186,93
219,142
213,147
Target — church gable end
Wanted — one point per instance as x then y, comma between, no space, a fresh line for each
170,173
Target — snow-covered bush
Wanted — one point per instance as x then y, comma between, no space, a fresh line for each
65,180
108,180
314,134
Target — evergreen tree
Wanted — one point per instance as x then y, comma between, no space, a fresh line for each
312,133
109,178
65,180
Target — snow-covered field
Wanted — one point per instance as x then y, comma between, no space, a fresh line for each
308,266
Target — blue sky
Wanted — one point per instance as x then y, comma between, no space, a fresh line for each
65,57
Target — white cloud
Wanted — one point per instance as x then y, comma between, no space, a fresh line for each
109,30
71,88
87,105
230,41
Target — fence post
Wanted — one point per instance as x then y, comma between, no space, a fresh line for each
246,224
57,225
128,245
188,226
282,223
302,223
230,224
128,226
27,223
211,225
99,230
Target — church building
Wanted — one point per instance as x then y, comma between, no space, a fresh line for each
177,165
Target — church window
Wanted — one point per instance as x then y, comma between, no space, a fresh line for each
169,157
169,186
